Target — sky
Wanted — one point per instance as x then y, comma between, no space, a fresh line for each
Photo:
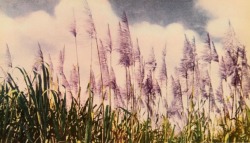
155,23
164,12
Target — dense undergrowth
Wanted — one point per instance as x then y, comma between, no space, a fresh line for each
37,114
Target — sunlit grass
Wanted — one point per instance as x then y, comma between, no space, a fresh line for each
37,114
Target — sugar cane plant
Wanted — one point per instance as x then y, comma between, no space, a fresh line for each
45,105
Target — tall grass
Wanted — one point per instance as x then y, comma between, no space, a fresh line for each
39,115
46,110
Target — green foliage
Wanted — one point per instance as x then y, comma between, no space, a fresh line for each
38,114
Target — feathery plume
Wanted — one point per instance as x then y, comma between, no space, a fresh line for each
193,44
188,61
227,66
214,54
245,75
40,54
230,41
203,91
148,86
177,103
187,47
51,67
210,53
197,82
104,65
151,63
205,81
8,59
103,55
242,55
148,90
91,30
64,82
109,41
156,87
235,79
99,87
74,79
38,60
232,57
183,69
112,83
164,51
163,71
220,98
118,98
137,52
206,78
223,69
125,48
230,98
73,30
214,106
92,81
61,61
219,94
207,51
189,55
140,73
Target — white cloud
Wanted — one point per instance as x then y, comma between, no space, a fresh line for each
225,10
23,33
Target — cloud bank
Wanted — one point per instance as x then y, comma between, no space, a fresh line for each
52,31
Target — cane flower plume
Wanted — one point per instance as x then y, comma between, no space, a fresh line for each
125,44
38,59
8,59
91,30
163,76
